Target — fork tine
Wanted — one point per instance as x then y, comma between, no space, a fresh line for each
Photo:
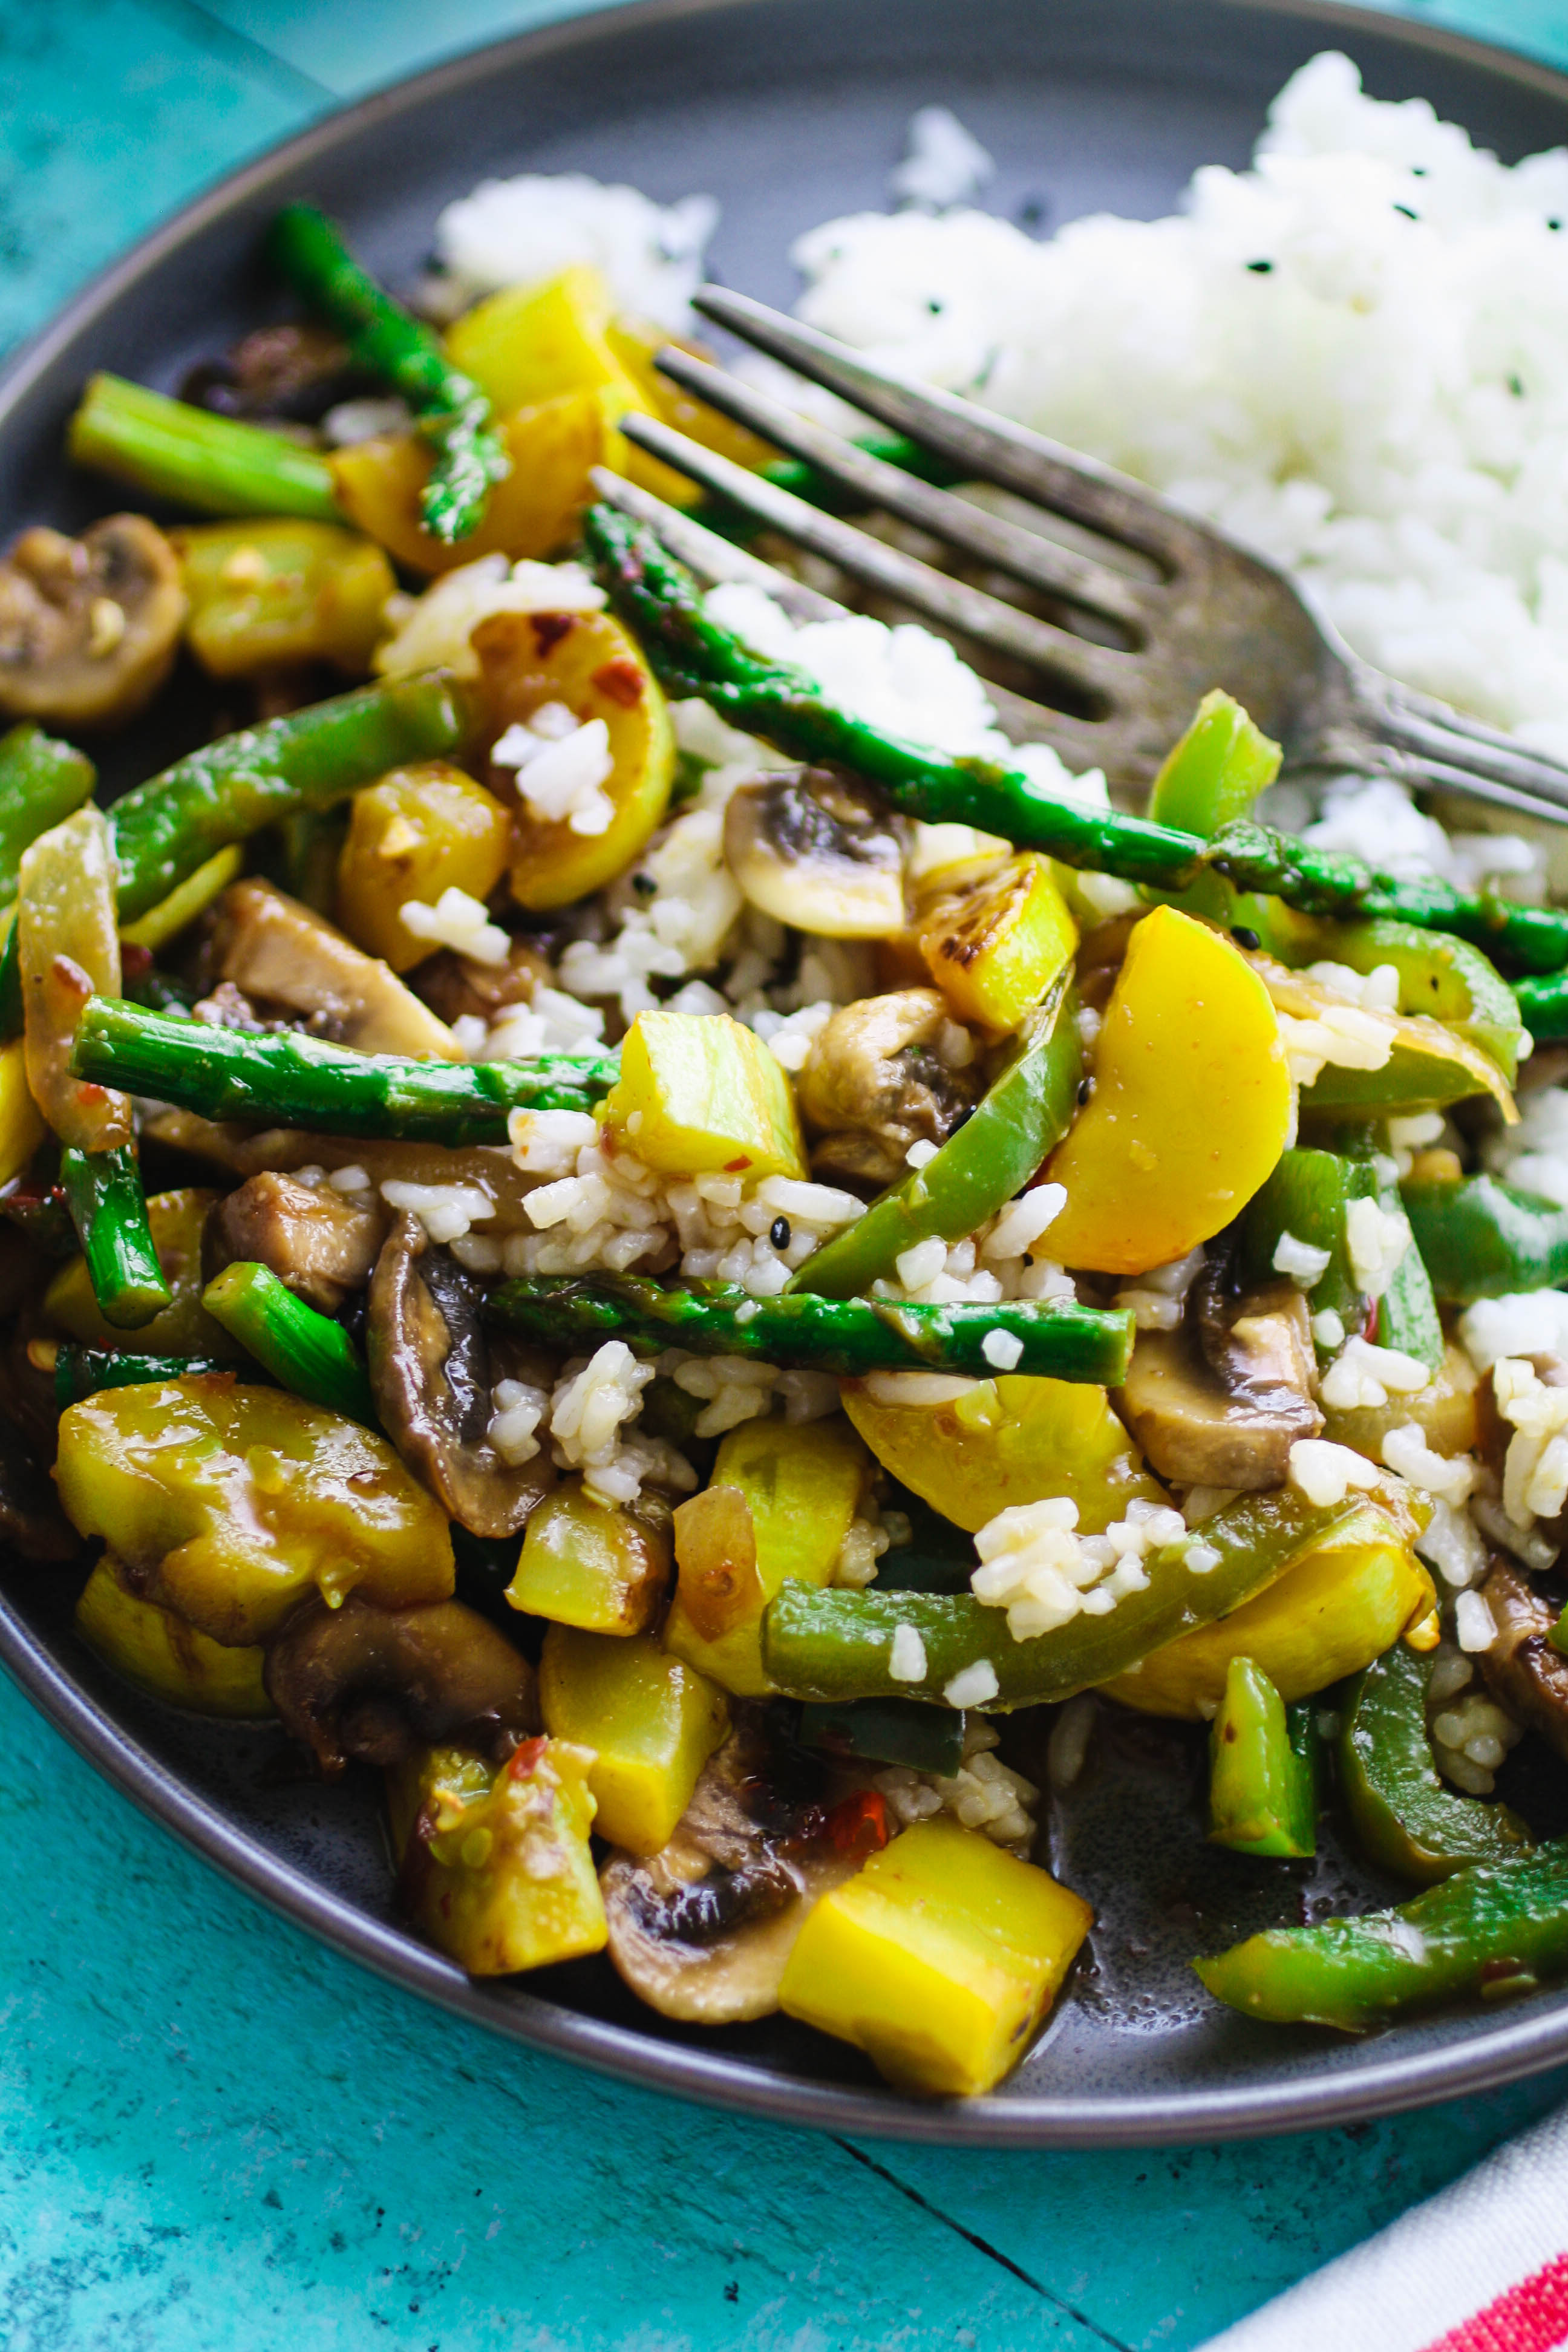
713,559
1087,672
986,446
1040,562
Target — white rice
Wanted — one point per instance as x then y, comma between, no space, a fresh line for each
515,232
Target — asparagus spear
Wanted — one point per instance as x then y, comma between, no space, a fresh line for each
109,1209
693,656
846,1335
302,1348
165,828
216,463
288,1080
453,411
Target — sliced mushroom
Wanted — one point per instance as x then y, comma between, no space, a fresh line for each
1221,1401
373,1684
279,954
430,1370
318,1241
88,626
702,1930
1523,1671
295,370
873,1084
455,987
811,849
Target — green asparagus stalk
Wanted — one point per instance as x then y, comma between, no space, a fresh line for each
453,411
1056,1338
216,463
310,759
660,599
81,1372
109,1209
288,1080
302,1348
42,781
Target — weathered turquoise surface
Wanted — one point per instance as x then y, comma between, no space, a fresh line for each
215,2136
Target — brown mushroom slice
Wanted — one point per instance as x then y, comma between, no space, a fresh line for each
456,988
88,626
702,1929
278,952
1523,1671
818,852
374,1684
431,1374
873,1084
318,1241
1227,1414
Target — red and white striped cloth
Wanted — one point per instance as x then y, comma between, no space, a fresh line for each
1482,2267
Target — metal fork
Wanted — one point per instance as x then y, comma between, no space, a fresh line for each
1197,612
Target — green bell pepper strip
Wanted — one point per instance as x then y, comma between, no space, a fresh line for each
285,1079
303,1349
218,465
453,412
1445,978
42,781
1480,1238
81,1372
1403,1815
1215,772
1262,1797
1496,1927
661,601
831,1645
1058,1338
1023,1115
1407,1318
887,1731
1308,1196
165,828
1544,1006
109,1209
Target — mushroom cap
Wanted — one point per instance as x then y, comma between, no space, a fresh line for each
431,1375
813,850
1523,1670
88,626
873,1084
373,1684
702,1929
1221,1401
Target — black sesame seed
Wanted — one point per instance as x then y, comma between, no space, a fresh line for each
643,884
1260,269
1246,937
1418,171
935,306
1516,387
1085,1088
779,1234
1028,1257
1553,224
1406,211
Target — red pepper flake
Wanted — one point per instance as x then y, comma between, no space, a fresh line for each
548,628
738,1167
860,1825
135,960
620,681
525,1758
1370,1332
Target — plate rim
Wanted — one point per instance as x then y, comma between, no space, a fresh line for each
1505,2053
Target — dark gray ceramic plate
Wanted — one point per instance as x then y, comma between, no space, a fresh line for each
788,111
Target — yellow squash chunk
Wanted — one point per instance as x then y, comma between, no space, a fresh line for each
22,1124
589,663
939,1959
651,1721
1016,1439
271,594
700,1094
1192,1104
994,950
801,1483
154,1648
553,450
585,1564
529,344
1330,1615
231,1504
184,1327
495,1867
418,831
634,342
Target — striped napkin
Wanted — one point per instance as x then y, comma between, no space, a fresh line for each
1482,2267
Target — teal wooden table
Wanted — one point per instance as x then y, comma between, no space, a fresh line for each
215,2136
